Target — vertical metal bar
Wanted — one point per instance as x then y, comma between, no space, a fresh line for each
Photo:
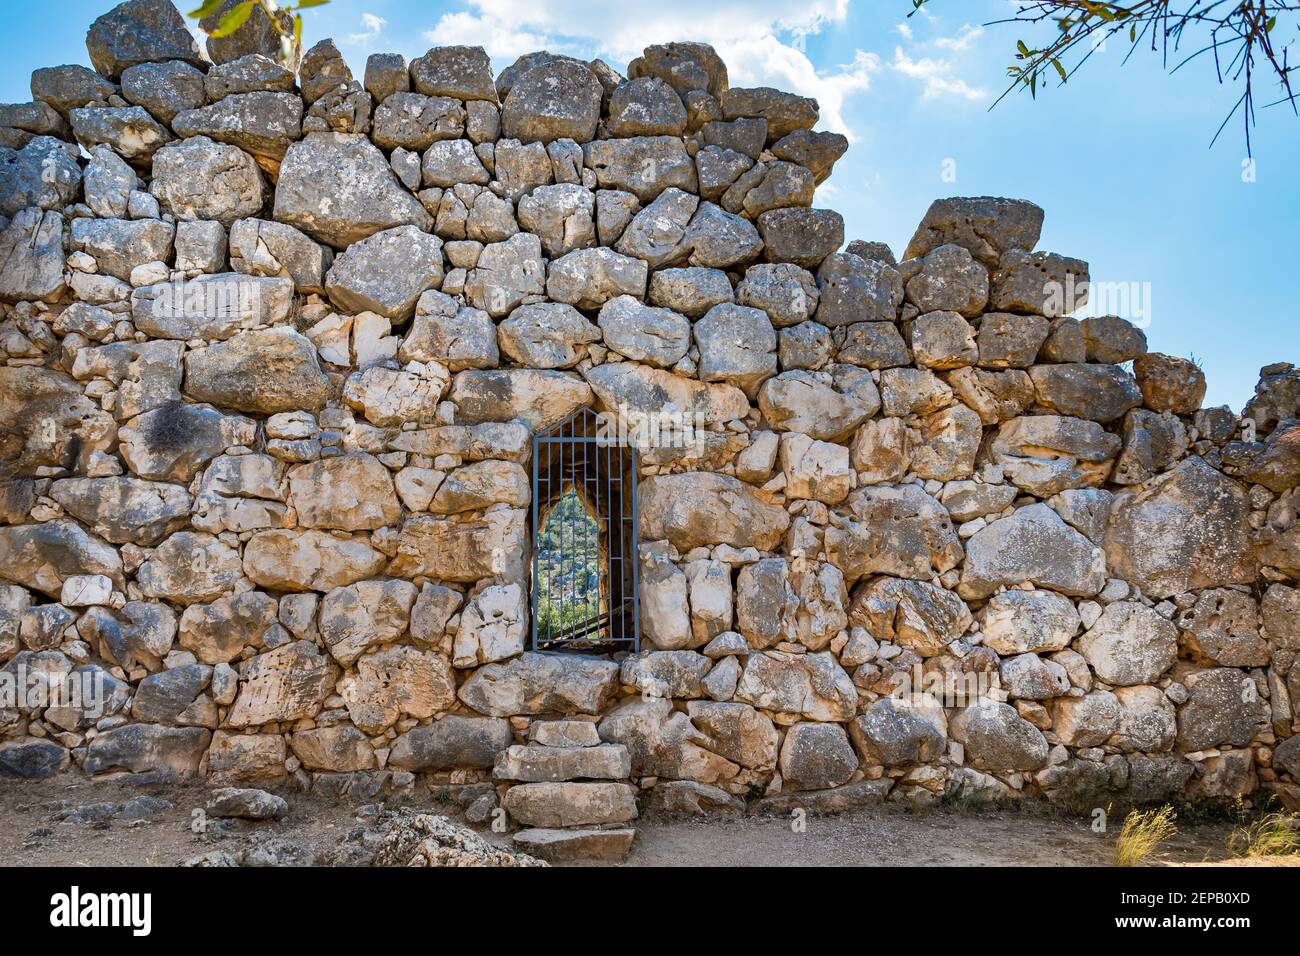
532,589
611,593
586,524
636,563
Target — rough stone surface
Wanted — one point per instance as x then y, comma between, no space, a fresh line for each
280,348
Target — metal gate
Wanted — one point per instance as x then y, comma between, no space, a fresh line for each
584,570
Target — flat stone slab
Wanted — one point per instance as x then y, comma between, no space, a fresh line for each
564,846
563,733
851,796
571,804
532,763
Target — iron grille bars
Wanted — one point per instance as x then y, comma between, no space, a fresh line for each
584,586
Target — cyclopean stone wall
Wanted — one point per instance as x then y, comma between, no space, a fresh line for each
273,346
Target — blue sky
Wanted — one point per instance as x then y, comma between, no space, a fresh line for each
1119,158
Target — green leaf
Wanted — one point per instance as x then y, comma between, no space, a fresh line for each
208,8
233,20
1272,22
1024,50
1060,69
304,4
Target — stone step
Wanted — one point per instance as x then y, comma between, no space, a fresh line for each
565,846
571,804
530,763
687,796
851,796
563,733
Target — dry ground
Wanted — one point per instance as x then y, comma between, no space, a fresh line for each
30,836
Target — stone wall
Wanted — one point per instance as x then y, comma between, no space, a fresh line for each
273,349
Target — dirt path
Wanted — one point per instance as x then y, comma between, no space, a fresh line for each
31,834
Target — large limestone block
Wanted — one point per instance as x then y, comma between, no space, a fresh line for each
395,682
556,100
1033,544
663,742
541,684
140,31
31,257
148,748
800,235
1130,644
212,307
218,633
901,731
260,247
896,530
1223,709
536,764
481,485
190,567
119,245
357,616
463,549
263,123
588,278
1182,531
641,395
915,614
1019,622
386,272
546,335
463,72
1100,393
452,742
338,188
174,441
656,336
539,397
997,738
642,165
124,509
44,174
390,397
737,345
198,179
701,508
736,732
348,493
814,686
816,757
571,804
264,371
285,560
341,748
493,626
984,225
43,556
286,684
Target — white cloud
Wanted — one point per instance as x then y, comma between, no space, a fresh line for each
763,45
966,36
765,61
904,30
502,41
371,25
937,77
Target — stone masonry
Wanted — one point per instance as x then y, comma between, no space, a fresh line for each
272,348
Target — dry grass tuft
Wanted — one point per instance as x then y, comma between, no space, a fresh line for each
1277,834
1143,832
